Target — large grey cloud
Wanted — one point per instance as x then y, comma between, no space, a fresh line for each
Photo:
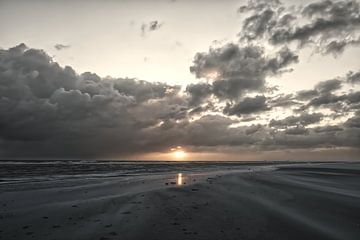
328,86
284,100
47,110
353,77
50,110
354,122
326,94
236,70
303,119
198,92
247,106
328,25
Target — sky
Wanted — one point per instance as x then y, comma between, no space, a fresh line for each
180,80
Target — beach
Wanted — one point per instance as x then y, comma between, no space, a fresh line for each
261,201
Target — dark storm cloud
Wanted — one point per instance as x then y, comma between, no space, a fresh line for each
143,90
253,129
325,94
235,70
328,86
258,5
215,131
326,99
283,100
329,19
303,119
150,27
330,128
353,97
247,106
354,122
61,46
198,92
353,77
232,72
201,109
330,26
284,58
310,138
35,69
298,130
307,94
51,111
257,25
266,15
336,47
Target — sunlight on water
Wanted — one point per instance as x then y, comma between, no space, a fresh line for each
179,179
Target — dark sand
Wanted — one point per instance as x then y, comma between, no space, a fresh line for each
309,201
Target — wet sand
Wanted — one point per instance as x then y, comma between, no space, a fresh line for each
303,201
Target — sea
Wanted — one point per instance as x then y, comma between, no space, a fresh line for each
35,171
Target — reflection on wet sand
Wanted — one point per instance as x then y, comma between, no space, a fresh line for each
179,179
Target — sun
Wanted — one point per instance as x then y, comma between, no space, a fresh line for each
179,154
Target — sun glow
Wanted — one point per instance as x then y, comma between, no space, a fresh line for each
212,75
178,152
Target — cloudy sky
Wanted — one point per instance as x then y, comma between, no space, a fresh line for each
216,80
